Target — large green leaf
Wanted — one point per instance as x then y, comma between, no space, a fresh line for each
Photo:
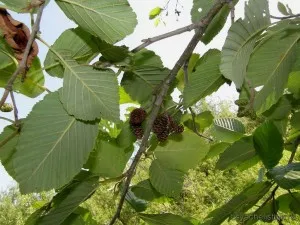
286,200
52,147
69,198
81,45
80,216
164,219
6,55
191,66
89,94
239,204
139,205
239,152
241,40
205,80
20,6
270,66
228,129
104,154
294,83
112,53
147,72
33,83
182,152
295,121
280,110
287,177
145,190
268,144
217,149
201,8
8,149
110,20
167,181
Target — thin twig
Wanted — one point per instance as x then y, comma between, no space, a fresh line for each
195,127
160,97
15,108
285,17
232,12
4,118
150,41
23,64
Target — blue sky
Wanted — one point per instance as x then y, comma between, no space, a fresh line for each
54,22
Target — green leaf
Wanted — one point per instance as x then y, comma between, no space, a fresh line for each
239,152
154,12
294,83
281,8
8,149
286,177
126,138
270,66
80,216
6,55
139,205
68,199
240,203
205,80
104,154
266,213
89,94
16,5
285,200
201,8
204,119
268,144
52,146
146,73
33,83
164,219
167,181
112,53
81,45
295,121
19,6
228,129
182,152
110,20
145,190
241,40
217,24
217,149
191,66
280,110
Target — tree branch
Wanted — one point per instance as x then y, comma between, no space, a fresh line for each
150,41
22,65
285,17
202,25
15,108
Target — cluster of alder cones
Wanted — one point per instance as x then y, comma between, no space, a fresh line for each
163,125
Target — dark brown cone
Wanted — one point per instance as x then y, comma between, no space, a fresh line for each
137,116
161,124
138,131
162,136
179,129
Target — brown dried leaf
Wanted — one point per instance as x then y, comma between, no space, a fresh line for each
16,35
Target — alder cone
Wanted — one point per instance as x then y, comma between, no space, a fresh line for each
179,129
163,136
161,124
137,116
138,131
